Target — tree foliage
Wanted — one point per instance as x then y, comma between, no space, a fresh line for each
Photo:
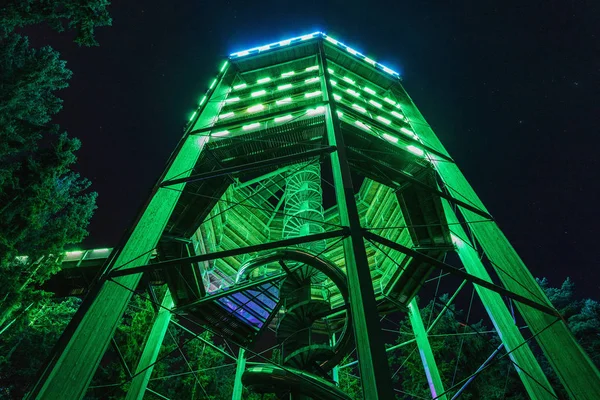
583,319
44,204
29,341
459,350
83,16
451,337
188,367
30,77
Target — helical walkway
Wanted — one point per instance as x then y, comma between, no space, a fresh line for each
305,361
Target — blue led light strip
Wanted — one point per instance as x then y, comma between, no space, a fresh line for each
283,43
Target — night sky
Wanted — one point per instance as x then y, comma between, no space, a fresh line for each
511,88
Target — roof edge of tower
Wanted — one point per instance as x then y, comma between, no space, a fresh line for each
309,37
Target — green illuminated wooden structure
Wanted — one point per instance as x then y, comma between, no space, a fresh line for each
250,233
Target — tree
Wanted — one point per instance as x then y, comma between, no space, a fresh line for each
45,208
459,349
583,319
81,16
24,347
187,368
44,204
348,381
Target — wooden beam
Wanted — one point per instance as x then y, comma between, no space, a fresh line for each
460,273
230,253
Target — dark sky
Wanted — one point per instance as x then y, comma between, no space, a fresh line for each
511,88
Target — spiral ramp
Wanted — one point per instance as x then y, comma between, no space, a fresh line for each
307,353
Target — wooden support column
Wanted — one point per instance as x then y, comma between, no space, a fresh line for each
372,360
71,368
238,386
151,349
431,370
577,372
529,370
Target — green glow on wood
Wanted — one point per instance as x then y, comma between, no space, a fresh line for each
408,132
362,125
534,380
283,119
256,108
312,94
311,36
384,120
76,364
238,386
574,368
150,351
369,90
390,138
553,339
281,102
251,126
287,86
353,92
457,241
226,115
431,370
415,150
316,111
359,108
376,104
369,61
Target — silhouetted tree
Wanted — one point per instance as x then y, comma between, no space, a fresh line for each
583,319
459,349
44,204
188,368
83,16
29,341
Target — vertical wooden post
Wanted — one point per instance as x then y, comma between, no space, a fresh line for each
151,349
431,370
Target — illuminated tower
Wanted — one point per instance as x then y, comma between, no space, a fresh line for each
309,197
